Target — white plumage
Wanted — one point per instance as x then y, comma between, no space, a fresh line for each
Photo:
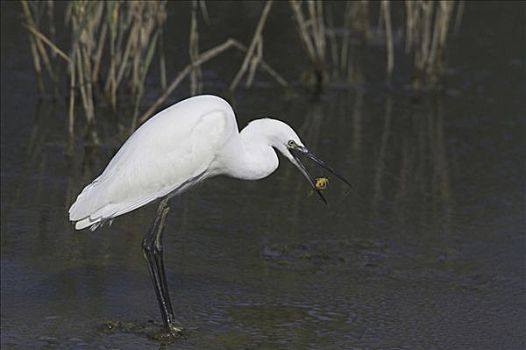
181,145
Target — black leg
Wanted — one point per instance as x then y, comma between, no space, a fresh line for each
152,246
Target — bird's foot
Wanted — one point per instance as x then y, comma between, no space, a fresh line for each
174,330
169,333
150,329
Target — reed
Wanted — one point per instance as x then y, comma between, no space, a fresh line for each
193,51
112,48
347,31
427,27
34,15
385,13
113,45
254,54
310,24
201,59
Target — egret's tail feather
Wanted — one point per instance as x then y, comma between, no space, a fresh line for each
86,222
97,217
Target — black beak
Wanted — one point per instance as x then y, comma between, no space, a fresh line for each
300,150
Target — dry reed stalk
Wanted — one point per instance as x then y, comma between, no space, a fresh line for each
312,33
460,13
135,30
32,12
385,10
83,16
120,35
203,58
435,62
255,50
427,27
71,104
204,11
114,42
255,61
51,21
344,51
99,52
162,59
195,74
354,20
264,65
410,24
359,18
318,27
333,42
302,28
123,34
144,49
45,40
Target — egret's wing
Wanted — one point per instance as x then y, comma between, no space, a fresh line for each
168,153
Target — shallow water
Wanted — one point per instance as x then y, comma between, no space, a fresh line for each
426,252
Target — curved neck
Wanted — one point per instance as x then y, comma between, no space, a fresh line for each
248,156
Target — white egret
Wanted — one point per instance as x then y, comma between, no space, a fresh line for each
188,142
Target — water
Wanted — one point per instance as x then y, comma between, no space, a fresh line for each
426,252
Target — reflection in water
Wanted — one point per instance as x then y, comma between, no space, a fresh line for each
406,162
380,161
423,189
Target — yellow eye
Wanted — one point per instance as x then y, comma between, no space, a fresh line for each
321,183
291,143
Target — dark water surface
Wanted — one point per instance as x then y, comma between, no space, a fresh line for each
426,252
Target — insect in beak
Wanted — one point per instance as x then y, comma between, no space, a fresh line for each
317,186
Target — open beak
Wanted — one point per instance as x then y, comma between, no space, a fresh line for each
300,150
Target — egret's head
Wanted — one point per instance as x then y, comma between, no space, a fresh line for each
283,138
